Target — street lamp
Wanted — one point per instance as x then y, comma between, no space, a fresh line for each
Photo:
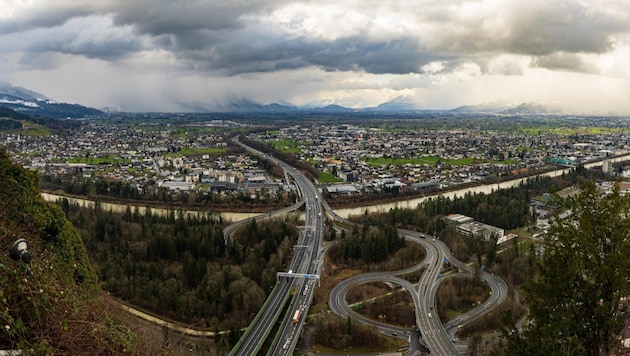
18,251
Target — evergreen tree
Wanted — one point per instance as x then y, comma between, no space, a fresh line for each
576,300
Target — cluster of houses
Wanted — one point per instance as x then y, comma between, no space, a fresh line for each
427,159
363,159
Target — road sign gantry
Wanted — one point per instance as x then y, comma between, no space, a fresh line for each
297,275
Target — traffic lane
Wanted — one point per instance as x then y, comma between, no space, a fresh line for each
261,326
338,303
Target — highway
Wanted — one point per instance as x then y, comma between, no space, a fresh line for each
230,229
437,337
307,262
339,305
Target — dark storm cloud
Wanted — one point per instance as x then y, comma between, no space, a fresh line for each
190,25
561,27
227,36
158,17
172,25
535,28
563,62
401,56
91,37
261,53
39,17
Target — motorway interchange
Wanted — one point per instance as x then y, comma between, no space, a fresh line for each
305,268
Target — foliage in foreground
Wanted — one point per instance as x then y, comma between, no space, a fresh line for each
55,307
575,301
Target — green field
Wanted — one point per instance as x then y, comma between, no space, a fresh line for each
35,131
99,160
382,161
198,151
29,129
460,161
288,146
325,177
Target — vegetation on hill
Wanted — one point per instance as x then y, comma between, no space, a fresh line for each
55,110
577,299
11,114
15,121
53,306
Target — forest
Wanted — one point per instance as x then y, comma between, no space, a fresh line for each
180,266
369,245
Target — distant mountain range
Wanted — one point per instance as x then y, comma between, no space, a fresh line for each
31,103
400,104
496,107
28,102
397,105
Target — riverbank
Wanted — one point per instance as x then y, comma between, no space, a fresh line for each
411,203
120,208
484,188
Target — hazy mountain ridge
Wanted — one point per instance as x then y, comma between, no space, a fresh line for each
494,107
28,102
533,108
32,103
397,104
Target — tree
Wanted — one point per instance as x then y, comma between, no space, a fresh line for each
576,299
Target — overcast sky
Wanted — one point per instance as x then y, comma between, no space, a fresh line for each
189,55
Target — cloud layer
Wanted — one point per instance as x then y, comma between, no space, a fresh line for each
205,51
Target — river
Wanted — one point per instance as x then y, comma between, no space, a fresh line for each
120,208
405,204
485,189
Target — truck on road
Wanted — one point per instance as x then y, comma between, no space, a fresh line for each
296,317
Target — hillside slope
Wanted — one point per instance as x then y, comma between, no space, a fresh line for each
53,306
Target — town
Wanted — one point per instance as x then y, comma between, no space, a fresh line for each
350,158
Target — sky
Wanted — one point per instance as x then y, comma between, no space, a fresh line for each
196,55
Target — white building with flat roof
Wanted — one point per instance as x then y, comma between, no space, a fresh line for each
458,218
475,228
176,185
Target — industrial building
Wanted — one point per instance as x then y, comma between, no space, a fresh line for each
468,227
